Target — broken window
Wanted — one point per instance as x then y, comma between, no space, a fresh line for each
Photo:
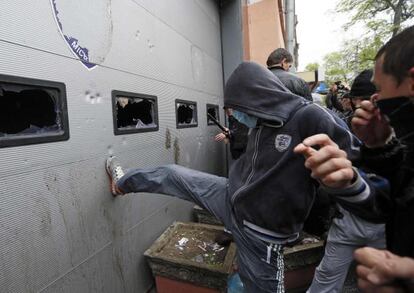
134,112
186,113
213,110
32,111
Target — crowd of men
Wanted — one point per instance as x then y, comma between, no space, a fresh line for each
360,153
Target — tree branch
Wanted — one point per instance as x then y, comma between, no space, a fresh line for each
390,4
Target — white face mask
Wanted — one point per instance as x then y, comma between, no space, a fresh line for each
245,119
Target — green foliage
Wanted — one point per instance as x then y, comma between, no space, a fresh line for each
386,15
336,67
354,57
382,19
312,66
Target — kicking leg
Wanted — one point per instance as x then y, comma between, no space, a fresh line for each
206,190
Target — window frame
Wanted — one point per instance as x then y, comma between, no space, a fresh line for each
179,101
217,108
62,102
117,93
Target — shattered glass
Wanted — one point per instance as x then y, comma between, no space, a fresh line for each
135,113
186,114
213,110
27,111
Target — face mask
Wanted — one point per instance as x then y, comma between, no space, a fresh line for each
400,113
247,120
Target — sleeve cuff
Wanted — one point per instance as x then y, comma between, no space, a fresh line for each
358,191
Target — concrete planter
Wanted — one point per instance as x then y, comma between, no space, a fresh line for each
203,216
178,274
181,262
300,263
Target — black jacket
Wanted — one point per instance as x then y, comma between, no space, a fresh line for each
396,163
270,189
238,137
333,103
293,82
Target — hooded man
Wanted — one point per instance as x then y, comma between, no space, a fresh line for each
269,192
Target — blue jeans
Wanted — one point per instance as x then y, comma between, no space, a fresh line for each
261,266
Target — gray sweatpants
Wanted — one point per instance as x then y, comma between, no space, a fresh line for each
345,235
261,264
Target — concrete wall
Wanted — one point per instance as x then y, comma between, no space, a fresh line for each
231,35
60,228
262,29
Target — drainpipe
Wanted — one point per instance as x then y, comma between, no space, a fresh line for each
290,28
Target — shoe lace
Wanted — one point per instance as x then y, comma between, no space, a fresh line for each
118,171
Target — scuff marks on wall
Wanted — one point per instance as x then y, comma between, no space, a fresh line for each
118,264
197,64
167,139
176,151
71,215
138,35
42,211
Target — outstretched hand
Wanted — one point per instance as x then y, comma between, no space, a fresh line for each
329,164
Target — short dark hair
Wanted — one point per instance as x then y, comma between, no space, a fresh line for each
362,85
277,56
398,54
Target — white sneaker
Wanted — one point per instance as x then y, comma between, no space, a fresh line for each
115,172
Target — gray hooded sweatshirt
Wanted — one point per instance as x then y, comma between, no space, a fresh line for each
270,189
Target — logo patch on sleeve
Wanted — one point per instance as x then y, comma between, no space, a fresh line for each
282,142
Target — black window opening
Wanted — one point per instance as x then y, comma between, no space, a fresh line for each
32,111
134,112
186,113
213,110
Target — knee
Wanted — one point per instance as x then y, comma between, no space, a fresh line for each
171,168
324,269
172,171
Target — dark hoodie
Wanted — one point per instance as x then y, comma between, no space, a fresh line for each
270,189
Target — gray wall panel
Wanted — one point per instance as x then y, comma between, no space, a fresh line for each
121,258
91,123
204,18
32,24
60,228
152,39
156,49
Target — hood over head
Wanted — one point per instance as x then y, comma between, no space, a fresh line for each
255,90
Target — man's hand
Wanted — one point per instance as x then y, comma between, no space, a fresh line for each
329,164
377,270
223,136
369,126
